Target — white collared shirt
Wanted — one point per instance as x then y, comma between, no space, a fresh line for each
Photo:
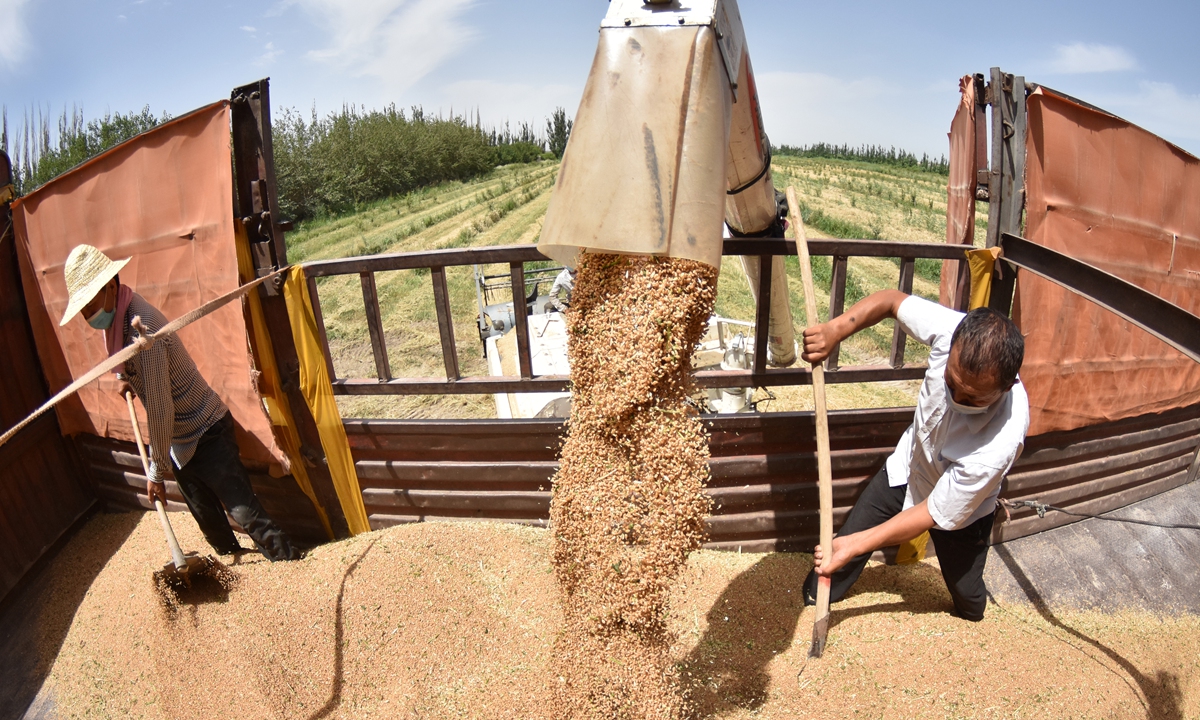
956,461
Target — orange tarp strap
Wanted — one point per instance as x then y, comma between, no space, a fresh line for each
960,187
315,384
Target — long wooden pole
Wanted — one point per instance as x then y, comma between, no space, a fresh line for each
176,553
824,466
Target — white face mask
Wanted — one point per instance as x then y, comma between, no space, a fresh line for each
964,409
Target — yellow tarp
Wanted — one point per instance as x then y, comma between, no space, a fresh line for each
269,388
981,263
315,384
912,551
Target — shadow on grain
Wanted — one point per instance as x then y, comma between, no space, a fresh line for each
1161,695
753,620
36,618
339,679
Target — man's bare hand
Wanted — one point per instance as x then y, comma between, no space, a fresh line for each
124,388
156,491
818,343
842,554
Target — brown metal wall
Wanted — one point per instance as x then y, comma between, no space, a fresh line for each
120,481
1101,468
42,491
763,467
763,470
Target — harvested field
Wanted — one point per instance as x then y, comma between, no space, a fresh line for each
458,620
842,198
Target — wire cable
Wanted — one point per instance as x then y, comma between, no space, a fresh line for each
1041,509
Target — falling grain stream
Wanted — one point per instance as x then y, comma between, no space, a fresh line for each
629,499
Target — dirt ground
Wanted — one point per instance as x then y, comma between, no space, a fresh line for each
457,620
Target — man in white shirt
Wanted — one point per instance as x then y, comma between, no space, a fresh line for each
560,291
944,476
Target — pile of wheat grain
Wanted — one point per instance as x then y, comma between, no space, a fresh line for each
629,500
450,620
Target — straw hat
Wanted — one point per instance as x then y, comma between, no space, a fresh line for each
87,270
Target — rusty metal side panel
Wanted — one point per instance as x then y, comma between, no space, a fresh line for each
42,489
763,471
1100,468
763,467
120,481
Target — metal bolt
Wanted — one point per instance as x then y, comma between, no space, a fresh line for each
681,21
628,22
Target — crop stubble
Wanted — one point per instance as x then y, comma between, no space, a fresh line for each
629,501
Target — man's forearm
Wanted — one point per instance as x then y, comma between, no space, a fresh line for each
869,311
904,526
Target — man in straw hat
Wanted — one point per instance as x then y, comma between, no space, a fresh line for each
188,422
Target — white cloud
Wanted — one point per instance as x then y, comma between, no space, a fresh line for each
1078,58
396,41
801,108
1160,108
248,28
269,54
515,102
14,35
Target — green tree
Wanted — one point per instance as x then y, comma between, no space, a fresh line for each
326,166
558,128
36,159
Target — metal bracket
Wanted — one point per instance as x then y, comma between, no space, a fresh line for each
731,40
290,379
1170,323
312,457
721,15
275,286
1194,470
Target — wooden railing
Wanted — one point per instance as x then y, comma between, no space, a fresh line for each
516,256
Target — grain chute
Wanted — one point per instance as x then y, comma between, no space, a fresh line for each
668,144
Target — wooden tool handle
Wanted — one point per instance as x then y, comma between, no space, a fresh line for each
824,465
176,551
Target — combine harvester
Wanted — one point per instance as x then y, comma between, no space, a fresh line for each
1096,218
728,345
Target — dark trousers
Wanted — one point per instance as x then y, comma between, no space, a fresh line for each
961,553
215,477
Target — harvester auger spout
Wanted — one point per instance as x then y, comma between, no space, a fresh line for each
668,147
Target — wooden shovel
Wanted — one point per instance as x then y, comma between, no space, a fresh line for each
824,466
180,565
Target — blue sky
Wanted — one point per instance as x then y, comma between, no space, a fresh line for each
849,72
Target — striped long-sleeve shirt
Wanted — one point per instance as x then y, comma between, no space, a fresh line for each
180,405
